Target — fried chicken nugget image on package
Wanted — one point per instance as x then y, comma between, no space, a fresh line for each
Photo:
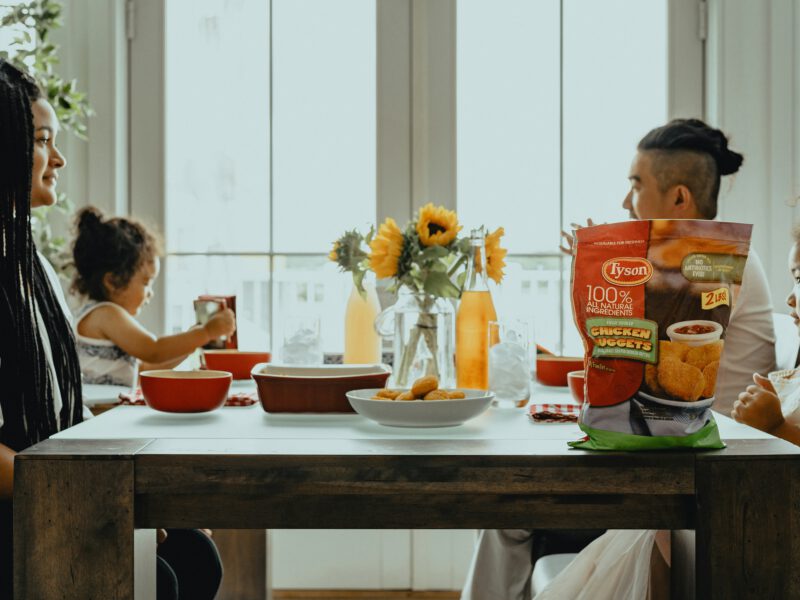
710,375
680,379
677,350
700,356
651,379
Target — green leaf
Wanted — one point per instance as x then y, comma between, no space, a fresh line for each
439,284
436,252
358,281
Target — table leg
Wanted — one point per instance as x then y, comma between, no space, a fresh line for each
73,529
244,559
748,528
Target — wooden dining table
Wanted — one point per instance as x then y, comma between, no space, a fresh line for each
82,497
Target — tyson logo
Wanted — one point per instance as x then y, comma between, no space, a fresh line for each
627,271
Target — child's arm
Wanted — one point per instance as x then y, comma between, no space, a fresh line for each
169,364
760,407
113,323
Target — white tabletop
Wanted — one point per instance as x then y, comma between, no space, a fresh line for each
251,422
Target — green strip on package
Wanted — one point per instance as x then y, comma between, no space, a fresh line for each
599,439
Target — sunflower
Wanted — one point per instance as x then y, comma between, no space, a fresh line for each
386,246
437,226
495,255
333,255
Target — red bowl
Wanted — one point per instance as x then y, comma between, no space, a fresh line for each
238,363
290,388
185,391
552,370
575,381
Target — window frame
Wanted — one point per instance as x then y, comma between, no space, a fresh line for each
416,108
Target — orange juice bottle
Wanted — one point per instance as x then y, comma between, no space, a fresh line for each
472,321
362,344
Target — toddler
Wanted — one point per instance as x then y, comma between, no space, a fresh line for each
116,261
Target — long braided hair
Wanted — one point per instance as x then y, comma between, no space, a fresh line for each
26,389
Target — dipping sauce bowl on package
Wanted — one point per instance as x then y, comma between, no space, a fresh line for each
652,301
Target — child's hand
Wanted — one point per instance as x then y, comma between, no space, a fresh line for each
759,406
221,324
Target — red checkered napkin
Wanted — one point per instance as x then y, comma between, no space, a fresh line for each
554,413
135,398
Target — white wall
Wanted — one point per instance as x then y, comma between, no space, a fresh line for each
93,50
753,90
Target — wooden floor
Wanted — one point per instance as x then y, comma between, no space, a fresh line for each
361,595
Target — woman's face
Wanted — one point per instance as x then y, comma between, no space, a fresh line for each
47,160
793,300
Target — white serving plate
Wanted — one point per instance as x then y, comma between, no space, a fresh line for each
102,394
420,413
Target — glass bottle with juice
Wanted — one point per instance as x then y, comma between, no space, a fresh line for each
362,344
475,311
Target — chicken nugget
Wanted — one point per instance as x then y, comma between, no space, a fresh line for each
710,375
456,394
651,379
700,356
423,385
674,349
406,396
436,395
388,394
680,380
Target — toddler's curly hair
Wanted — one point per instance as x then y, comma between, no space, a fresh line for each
116,245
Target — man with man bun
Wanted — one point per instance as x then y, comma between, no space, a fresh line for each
675,174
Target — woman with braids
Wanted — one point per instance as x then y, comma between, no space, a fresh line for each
40,380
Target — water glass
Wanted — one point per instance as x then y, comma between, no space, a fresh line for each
509,363
301,341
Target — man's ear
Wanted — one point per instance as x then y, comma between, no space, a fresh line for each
683,201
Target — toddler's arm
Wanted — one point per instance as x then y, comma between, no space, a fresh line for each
760,407
115,324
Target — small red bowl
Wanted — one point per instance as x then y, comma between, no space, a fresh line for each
185,391
552,370
238,363
575,381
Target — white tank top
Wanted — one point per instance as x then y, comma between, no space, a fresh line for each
102,361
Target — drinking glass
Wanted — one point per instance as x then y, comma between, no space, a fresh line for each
509,363
301,341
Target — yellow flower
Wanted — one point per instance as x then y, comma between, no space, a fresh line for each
495,255
437,226
333,255
386,246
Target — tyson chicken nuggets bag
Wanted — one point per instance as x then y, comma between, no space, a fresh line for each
652,300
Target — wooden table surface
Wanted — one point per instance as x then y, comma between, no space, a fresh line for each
79,496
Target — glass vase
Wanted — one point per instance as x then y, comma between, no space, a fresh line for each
422,330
